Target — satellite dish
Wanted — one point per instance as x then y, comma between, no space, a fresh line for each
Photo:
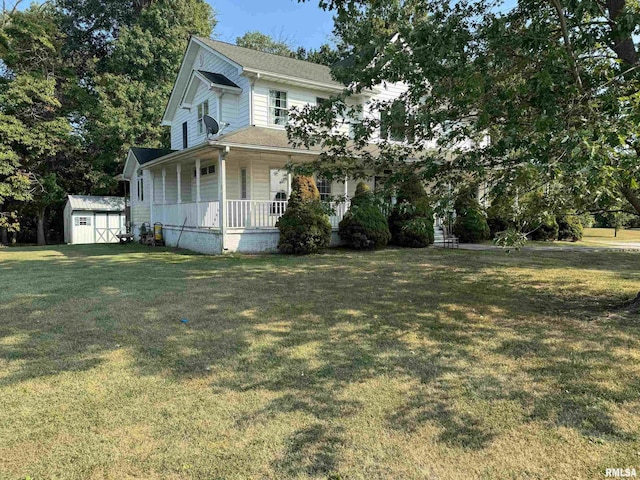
211,124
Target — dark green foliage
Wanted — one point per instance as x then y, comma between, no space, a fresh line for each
364,226
304,226
471,223
306,188
498,216
547,231
411,220
496,224
570,228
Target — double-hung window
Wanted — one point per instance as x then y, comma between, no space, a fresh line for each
243,183
278,109
324,187
140,189
203,109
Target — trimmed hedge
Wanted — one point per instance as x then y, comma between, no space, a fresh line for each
304,226
364,226
498,216
471,224
411,220
547,231
570,228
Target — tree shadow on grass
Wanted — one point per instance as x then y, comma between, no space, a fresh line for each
306,330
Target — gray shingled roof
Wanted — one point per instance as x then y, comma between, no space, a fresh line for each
259,136
269,137
218,79
144,155
271,63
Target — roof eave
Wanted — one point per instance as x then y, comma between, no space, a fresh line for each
262,148
175,155
264,75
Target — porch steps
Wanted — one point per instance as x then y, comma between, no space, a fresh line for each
443,240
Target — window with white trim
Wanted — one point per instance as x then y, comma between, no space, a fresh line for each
278,188
243,183
278,110
324,187
209,170
82,221
393,123
203,109
140,189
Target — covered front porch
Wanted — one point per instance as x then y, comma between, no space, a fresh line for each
188,190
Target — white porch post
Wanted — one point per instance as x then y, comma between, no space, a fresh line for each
289,182
164,194
222,193
179,180
345,189
198,191
152,197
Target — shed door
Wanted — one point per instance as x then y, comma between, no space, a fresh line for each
107,227
82,225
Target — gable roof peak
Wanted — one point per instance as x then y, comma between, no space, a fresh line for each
272,63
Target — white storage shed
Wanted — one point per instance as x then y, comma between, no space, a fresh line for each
89,219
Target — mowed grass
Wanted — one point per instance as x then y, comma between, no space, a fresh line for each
402,364
606,236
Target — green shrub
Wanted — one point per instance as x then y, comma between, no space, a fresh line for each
364,226
471,224
569,228
411,219
498,216
304,226
547,230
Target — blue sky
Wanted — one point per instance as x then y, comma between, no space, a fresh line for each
301,24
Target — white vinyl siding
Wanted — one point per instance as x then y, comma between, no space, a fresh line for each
235,108
140,211
296,97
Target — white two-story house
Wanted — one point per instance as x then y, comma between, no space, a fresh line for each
224,192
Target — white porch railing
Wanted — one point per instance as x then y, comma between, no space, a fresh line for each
265,213
207,215
340,209
254,213
240,214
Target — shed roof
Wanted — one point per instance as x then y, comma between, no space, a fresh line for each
144,155
99,204
272,63
218,79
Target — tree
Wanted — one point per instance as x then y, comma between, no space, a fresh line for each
411,220
324,55
141,44
471,223
34,129
304,226
265,43
554,85
364,226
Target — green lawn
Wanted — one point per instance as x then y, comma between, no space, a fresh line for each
606,236
397,364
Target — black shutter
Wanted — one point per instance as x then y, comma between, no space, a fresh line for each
184,135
